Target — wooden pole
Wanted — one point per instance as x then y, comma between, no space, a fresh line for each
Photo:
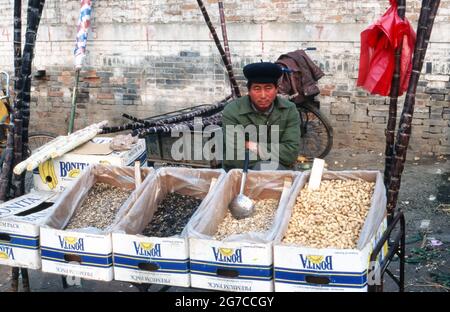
37,14
74,100
220,48
35,8
425,24
223,26
393,97
6,175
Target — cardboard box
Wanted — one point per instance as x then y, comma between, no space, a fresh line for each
86,252
78,254
19,229
65,170
303,269
161,260
242,262
231,266
151,260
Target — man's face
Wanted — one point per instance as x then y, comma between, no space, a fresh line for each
262,95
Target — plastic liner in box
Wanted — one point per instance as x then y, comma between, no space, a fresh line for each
185,181
377,210
73,197
259,185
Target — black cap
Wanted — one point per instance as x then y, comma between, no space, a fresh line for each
262,72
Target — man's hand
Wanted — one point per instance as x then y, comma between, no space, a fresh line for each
252,146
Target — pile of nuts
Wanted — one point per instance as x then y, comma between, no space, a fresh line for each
331,217
172,215
100,207
261,220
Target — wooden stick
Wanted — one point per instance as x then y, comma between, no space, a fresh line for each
5,178
219,47
17,41
74,101
6,175
141,124
37,14
393,97
23,97
223,26
137,174
404,131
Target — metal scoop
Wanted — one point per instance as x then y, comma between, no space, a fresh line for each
242,206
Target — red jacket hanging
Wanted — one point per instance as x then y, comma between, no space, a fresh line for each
377,57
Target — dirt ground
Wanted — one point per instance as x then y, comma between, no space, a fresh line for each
424,197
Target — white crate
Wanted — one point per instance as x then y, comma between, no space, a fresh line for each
161,260
152,260
340,270
19,229
83,255
231,266
299,268
68,167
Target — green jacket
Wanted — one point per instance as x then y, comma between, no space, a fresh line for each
284,114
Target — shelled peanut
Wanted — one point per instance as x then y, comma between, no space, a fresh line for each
261,220
331,217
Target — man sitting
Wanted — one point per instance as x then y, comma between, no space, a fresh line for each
275,144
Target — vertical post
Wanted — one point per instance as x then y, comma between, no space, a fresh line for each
402,253
14,279
25,280
225,40
425,24
220,48
393,97
74,101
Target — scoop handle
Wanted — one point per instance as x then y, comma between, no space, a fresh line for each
246,155
245,169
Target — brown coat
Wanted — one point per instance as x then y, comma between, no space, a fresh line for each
302,82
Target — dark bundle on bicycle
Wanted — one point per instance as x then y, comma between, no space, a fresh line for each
299,83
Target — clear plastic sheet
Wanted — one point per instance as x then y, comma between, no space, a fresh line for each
185,181
73,197
377,210
259,185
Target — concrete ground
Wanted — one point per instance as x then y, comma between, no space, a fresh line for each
424,195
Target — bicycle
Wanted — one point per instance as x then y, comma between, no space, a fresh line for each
35,139
316,133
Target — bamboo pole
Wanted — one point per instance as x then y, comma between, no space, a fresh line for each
6,175
432,15
223,26
5,178
23,97
37,14
140,124
18,118
74,100
220,48
17,41
393,97
425,24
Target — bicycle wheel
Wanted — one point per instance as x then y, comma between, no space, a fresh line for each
35,140
316,133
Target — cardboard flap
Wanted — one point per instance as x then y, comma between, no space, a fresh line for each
91,148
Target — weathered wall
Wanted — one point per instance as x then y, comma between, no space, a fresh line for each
148,57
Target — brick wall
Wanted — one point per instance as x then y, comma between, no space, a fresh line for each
147,57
